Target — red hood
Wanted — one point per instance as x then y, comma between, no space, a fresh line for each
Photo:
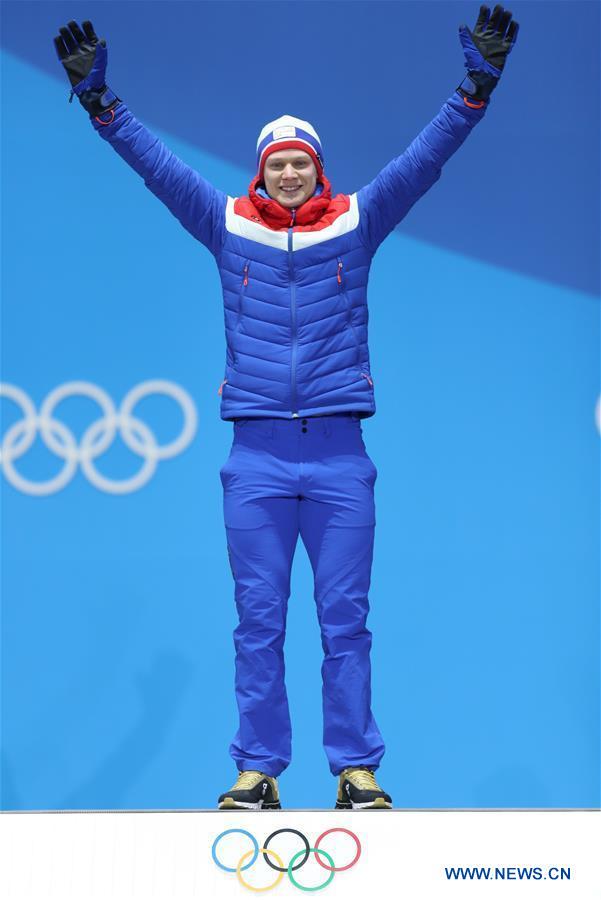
278,217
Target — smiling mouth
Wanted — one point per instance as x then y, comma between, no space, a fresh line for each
291,190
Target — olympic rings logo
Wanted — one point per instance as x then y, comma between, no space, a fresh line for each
281,867
61,440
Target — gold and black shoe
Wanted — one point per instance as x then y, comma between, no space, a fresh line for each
358,789
253,790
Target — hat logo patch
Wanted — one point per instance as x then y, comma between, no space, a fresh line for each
284,131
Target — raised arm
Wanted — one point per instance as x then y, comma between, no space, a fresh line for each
194,201
388,198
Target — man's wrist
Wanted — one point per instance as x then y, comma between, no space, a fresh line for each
99,102
477,87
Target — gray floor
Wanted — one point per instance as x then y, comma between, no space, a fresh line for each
290,809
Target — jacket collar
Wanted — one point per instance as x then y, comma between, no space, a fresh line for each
278,217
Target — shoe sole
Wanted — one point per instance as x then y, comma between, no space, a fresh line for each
230,803
378,803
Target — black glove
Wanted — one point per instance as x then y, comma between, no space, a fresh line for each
84,58
486,50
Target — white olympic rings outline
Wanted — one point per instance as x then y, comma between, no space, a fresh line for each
97,437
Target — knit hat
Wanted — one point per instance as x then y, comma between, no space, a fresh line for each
286,133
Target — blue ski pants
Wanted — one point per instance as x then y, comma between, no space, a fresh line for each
310,476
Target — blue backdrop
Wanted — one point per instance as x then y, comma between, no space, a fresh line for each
117,598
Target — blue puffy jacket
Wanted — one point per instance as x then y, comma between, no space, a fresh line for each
294,288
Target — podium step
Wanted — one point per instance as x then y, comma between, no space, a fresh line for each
214,854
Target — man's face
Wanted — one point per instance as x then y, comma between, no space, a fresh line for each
290,177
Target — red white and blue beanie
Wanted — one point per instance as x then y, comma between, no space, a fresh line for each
285,133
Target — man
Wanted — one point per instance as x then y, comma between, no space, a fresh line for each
294,264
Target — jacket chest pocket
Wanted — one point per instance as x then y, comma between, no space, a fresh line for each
346,300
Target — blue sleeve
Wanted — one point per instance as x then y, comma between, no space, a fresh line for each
388,198
197,204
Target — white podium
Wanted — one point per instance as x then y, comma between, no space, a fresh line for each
391,854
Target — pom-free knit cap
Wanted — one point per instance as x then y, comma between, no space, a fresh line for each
285,133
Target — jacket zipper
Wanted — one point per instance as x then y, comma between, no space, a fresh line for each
293,318
348,307
243,287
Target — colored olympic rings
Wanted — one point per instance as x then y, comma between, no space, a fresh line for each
290,831
357,854
317,887
234,831
282,868
269,886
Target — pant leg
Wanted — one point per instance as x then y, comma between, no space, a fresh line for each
261,519
337,525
